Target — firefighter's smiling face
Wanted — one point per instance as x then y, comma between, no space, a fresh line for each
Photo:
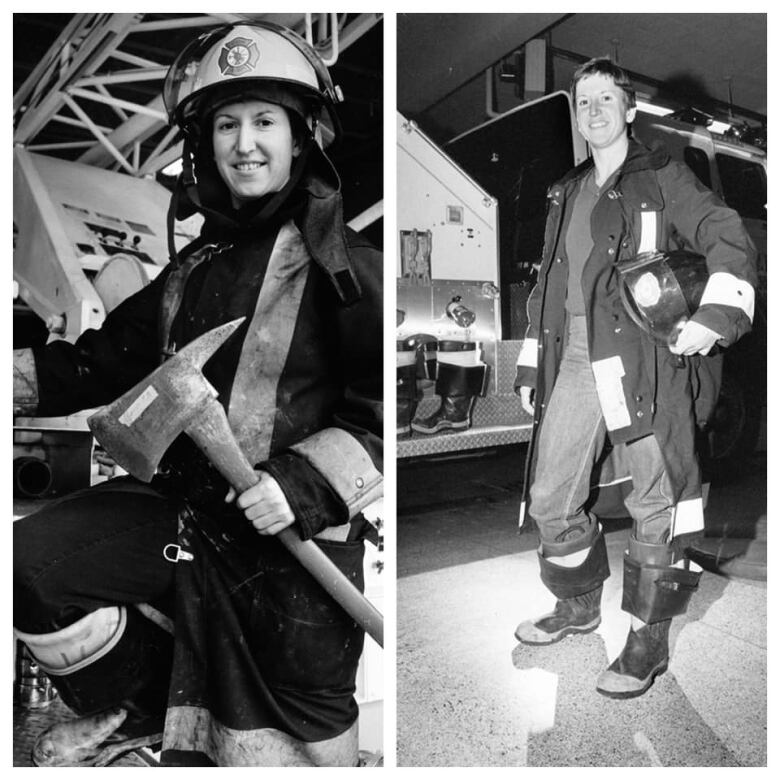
254,148
602,111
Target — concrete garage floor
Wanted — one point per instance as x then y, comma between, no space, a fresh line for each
470,695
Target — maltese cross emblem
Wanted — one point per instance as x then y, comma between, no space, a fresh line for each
238,56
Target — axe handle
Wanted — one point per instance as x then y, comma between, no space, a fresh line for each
211,431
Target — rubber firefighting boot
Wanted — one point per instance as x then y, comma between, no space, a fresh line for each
578,593
112,668
407,393
654,590
458,387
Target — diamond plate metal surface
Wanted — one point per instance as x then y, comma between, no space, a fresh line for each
497,419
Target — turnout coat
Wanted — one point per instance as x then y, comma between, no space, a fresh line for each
264,660
653,203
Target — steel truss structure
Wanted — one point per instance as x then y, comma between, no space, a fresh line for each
96,81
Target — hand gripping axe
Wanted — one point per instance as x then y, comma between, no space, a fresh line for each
138,428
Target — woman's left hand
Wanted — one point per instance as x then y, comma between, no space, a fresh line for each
264,505
694,339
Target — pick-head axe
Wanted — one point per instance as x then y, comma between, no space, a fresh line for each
138,428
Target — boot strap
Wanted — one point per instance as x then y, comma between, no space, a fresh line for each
655,593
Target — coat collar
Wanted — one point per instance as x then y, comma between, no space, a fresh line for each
638,158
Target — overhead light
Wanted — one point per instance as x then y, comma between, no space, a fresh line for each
650,108
719,127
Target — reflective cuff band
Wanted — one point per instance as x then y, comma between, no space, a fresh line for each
345,464
688,517
728,290
334,533
529,353
25,382
78,645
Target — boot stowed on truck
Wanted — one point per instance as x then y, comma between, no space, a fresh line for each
461,377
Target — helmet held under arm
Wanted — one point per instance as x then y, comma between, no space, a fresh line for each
662,290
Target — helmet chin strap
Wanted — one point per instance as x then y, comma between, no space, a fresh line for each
186,185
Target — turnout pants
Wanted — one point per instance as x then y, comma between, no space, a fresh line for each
94,548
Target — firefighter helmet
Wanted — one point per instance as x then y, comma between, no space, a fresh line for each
248,58
661,290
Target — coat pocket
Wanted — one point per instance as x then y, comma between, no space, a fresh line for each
306,641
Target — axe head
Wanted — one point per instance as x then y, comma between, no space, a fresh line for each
138,427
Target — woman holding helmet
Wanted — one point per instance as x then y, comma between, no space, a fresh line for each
246,660
591,377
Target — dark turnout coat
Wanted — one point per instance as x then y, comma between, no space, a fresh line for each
643,388
264,659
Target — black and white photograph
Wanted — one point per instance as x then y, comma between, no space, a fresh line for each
223,226
581,371
198,389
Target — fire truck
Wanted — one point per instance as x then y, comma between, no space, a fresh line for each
471,216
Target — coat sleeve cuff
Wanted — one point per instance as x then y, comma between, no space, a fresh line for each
725,289
314,503
727,306
729,325
346,466
25,383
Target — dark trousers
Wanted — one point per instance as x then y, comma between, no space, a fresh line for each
95,548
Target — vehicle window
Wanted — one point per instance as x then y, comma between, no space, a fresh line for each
696,160
744,185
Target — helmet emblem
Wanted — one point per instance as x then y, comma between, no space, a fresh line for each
238,56
647,290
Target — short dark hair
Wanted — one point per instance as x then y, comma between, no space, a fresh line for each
605,67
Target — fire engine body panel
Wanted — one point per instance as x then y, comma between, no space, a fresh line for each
447,253
478,211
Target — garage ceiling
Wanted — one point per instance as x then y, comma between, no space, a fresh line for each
687,59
